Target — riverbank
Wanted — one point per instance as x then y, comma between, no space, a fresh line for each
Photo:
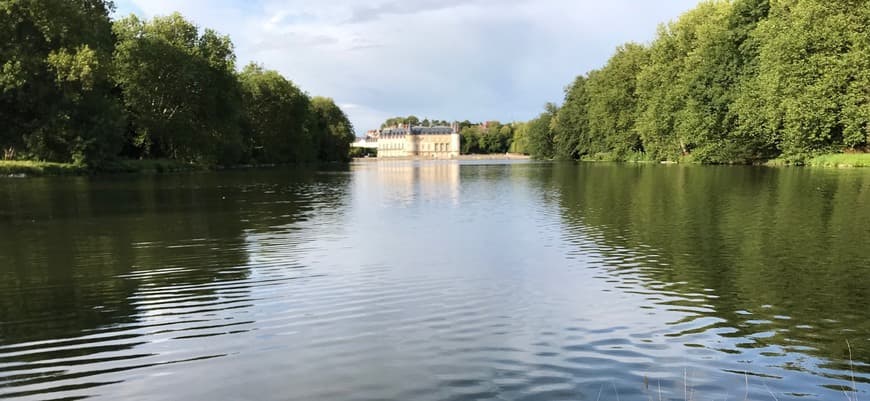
498,156
836,160
830,160
13,168
27,168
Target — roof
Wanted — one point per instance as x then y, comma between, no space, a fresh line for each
418,131
431,130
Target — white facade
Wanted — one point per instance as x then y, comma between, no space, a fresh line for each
419,142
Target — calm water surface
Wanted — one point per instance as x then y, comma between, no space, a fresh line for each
438,281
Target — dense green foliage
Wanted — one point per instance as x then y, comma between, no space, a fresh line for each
489,137
728,82
275,116
330,129
179,89
392,122
520,141
413,120
56,102
77,87
541,134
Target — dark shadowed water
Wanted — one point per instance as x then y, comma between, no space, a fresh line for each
438,281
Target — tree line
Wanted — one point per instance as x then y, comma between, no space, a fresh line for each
77,87
414,121
727,82
484,138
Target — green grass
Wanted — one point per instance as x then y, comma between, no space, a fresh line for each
838,160
841,160
633,157
26,167
37,168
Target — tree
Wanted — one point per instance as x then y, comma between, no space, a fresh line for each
74,87
612,103
275,116
666,129
855,116
495,138
714,75
541,138
505,137
179,89
56,101
810,92
519,144
331,130
570,125
728,81
391,122
470,140
741,138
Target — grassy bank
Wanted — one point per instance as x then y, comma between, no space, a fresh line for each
25,167
163,166
840,160
633,157
37,168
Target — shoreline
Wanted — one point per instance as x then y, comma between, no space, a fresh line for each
26,168
828,160
494,157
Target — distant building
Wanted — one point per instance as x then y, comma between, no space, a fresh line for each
367,143
422,142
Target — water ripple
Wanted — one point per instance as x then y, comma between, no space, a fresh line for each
413,280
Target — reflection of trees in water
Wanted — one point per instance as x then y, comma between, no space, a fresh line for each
783,250
277,199
63,262
102,267
74,251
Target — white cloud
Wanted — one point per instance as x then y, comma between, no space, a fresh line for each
446,59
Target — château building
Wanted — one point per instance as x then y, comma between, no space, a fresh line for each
422,142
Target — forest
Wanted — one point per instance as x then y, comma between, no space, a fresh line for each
742,81
77,87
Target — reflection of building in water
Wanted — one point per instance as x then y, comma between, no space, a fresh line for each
406,181
407,141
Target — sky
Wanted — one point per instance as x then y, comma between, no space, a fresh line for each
474,60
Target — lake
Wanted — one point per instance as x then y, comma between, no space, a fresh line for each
438,281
